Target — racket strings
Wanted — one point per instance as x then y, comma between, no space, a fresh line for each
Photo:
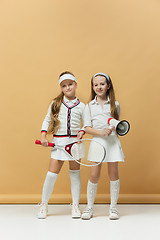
88,152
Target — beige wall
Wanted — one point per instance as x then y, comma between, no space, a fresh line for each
39,40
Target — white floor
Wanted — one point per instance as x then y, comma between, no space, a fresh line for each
137,222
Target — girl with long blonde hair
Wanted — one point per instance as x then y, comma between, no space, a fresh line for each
63,121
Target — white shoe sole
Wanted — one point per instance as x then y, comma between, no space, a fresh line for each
113,217
86,218
41,217
74,217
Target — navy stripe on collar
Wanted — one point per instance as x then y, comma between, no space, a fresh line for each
74,105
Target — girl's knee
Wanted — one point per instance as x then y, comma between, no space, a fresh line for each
94,179
113,176
95,174
74,165
55,166
113,171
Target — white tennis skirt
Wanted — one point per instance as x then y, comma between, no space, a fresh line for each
59,154
113,148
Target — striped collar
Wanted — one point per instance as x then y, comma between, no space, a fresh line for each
74,102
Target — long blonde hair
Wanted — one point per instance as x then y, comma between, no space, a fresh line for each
55,109
110,94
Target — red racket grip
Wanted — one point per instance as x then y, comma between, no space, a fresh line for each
49,144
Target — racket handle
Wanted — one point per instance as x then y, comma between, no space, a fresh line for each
49,143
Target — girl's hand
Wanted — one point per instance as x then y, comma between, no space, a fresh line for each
80,136
106,131
114,129
44,142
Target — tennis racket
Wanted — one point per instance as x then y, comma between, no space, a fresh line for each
86,152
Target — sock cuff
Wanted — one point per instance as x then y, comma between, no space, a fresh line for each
51,174
74,171
116,181
93,184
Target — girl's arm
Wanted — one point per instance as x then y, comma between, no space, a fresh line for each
82,131
47,120
44,140
88,125
95,132
45,126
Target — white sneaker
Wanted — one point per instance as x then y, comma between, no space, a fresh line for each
76,213
42,214
113,214
87,213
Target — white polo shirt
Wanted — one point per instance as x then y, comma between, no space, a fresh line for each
96,116
70,116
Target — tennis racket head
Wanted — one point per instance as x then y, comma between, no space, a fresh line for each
87,152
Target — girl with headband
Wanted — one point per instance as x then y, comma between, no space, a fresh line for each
103,106
63,121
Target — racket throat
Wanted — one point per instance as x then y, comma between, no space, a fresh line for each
68,149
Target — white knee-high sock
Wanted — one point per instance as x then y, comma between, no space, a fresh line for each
114,191
75,186
48,186
91,193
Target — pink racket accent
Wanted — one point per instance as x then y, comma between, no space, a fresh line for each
49,144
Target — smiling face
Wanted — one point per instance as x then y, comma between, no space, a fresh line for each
100,86
68,87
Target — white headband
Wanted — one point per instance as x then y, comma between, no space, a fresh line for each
103,74
67,76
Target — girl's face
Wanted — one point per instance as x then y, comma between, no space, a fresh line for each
100,86
68,87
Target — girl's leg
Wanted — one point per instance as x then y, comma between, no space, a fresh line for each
74,172
54,169
91,191
92,184
114,188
